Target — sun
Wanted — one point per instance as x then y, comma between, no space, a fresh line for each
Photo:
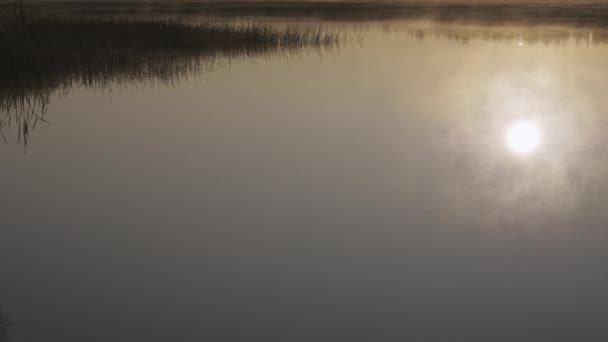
523,137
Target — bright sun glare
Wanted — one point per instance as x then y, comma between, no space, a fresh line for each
523,137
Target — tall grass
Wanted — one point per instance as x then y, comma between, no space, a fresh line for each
59,54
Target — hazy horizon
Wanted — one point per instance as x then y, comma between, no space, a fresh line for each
422,2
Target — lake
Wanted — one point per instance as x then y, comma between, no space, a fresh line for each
412,180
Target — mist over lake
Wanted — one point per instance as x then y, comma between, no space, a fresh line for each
303,171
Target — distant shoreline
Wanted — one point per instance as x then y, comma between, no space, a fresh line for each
584,14
377,2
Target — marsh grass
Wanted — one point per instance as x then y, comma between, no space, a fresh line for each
58,54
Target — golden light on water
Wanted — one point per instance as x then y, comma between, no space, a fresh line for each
523,137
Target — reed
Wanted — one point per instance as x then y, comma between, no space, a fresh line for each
58,54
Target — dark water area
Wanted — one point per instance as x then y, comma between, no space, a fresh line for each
3,327
268,177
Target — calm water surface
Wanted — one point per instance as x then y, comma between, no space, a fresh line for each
417,182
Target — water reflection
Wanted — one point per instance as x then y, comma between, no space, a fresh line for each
518,35
523,137
507,155
525,160
58,55
4,327
343,199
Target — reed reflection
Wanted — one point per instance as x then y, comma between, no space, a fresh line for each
516,35
58,55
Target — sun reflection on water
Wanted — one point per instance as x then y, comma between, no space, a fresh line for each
523,137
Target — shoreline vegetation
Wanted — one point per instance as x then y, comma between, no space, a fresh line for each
50,47
41,56
525,12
